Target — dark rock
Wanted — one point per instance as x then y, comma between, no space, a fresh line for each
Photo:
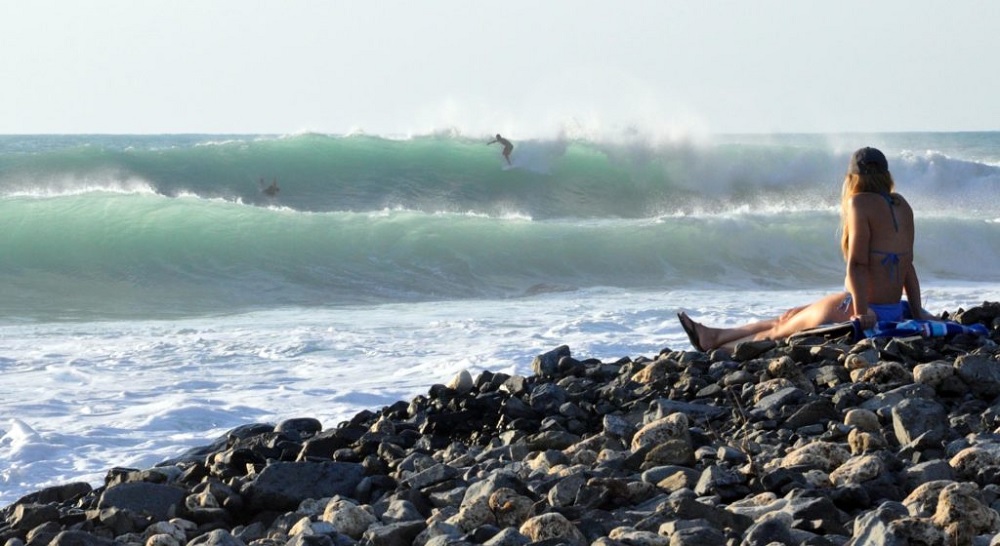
688,508
873,528
44,533
772,405
663,407
58,493
435,474
697,536
322,446
546,398
29,516
303,427
817,514
157,501
913,417
547,364
726,483
395,534
884,402
80,538
767,532
749,350
282,486
218,537
850,498
981,374
814,412
927,471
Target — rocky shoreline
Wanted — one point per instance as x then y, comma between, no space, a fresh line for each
813,441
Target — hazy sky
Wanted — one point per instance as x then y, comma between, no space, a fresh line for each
521,67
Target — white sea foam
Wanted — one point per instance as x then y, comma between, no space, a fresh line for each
81,398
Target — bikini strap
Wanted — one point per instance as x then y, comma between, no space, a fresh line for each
892,210
891,261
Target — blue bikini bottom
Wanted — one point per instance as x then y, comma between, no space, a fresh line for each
889,312
886,312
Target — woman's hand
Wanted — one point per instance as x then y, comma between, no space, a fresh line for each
866,320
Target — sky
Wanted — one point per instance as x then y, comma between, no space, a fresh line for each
520,67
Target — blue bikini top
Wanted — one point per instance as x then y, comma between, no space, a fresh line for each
891,259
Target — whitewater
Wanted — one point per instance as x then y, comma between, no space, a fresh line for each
152,296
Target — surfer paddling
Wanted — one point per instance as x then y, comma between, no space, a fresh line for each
507,146
271,190
877,244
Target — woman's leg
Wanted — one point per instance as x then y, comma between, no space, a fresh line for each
825,310
706,338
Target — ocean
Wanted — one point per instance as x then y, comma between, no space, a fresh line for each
153,296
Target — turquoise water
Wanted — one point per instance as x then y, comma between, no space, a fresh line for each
171,226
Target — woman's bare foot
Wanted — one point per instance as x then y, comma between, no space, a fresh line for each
694,332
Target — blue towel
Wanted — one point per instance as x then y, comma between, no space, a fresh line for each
923,328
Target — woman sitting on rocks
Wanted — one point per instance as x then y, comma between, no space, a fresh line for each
877,244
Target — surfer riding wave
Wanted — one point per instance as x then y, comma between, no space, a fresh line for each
507,146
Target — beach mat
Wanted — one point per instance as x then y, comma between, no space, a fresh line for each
905,328
850,329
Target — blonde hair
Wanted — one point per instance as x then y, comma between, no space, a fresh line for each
853,185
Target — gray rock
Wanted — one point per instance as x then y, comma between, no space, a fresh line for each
508,537
58,493
300,426
716,480
435,474
772,405
913,417
400,511
769,531
551,439
697,536
565,491
547,364
546,398
80,538
396,534
749,350
218,537
158,501
873,528
981,373
927,471
818,513
282,486
663,407
689,508
617,426
814,412
43,534
29,516
884,402
480,491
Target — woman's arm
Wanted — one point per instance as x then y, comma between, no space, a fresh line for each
858,254
911,286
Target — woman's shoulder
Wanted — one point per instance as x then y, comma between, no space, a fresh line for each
869,198
865,200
